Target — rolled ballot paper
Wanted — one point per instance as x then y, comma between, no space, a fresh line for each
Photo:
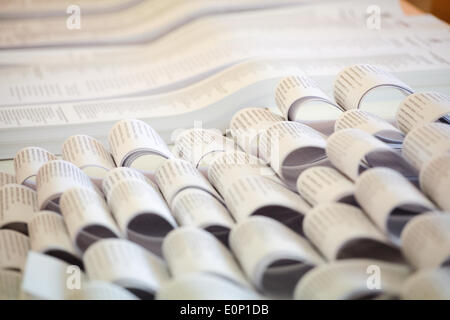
86,152
141,213
230,166
325,184
28,161
49,235
126,264
6,178
247,125
192,250
300,99
354,85
372,124
114,176
390,200
352,279
55,177
17,206
197,208
421,108
291,147
257,195
352,151
204,286
49,278
426,142
87,217
342,231
272,256
130,139
434,180
428,284
10,282
426,240
101,290
175,175
14,248
197,145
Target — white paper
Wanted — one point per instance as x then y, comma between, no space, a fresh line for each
204,286
435,180
28,161
55,177
319,185
84,151
175,175
354,82
426,241
352,151
49,235
341,231
431,284
351,279
14,249
421,108
130,139
426,142
390,199
126,264
17,205
272,256
87,217
191,250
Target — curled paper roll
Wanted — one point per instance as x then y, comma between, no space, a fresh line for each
141,213
429,284
425,142
55,177
84,151
291,147
192,250
194,145
256,195
49,235
352,279
426,240
272,256
175,175
390,200
28,161
324,184
195,207
18,204
131,139
227,167
342,231
372,124
87,217
15,247
204,286
114,176
420,108
352,151
126,264
355,82
248,124
435,180
300,99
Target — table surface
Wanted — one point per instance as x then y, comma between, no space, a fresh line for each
6,165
